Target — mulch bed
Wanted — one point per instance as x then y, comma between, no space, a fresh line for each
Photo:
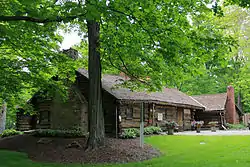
58,150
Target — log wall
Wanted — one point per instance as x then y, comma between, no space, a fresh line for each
133,122
168,113
24,121
154,115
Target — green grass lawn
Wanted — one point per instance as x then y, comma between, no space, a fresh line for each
178,151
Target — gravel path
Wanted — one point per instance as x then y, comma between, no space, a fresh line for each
217,133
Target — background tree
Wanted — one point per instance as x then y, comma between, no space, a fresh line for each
234,70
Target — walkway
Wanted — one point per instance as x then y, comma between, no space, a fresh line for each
217,133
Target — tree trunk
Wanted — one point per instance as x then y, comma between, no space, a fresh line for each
3,117
96,117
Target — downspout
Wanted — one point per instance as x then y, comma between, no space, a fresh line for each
153,117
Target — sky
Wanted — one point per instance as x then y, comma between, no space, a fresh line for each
70,39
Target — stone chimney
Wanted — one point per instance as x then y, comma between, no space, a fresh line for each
72,53
123,75
230,106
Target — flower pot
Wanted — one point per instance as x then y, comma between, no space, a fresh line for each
213,129
170,131
198,130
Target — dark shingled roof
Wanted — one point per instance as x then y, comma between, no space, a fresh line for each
170,96
212,102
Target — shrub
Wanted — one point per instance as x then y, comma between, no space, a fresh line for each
10,132
171,125
152,130
136,131
148,131
236,126
130,133
59,133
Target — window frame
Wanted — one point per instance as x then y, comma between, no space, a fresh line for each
129,112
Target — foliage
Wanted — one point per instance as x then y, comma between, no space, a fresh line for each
171,125
152,130
130,133
236,126
10,132
183,50
59,133
213,123
134,132
235,69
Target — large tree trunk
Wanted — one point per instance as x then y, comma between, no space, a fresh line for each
3,116
96,117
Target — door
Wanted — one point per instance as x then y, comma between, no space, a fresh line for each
180,117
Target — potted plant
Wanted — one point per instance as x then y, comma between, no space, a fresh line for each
193,124
198,126
213,125
171,126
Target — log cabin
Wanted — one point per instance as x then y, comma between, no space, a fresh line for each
219,108
121,107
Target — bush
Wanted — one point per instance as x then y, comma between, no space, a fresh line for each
130,133
10,132
59,133
152,130
136,131
236,126
171,125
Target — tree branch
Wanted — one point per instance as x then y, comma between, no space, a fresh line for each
131,16
39,20
127,72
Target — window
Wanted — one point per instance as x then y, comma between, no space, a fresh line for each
44,117
129,112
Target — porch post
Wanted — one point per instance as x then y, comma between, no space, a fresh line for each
142,125
116,122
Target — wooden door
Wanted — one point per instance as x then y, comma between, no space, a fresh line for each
180,117
187,119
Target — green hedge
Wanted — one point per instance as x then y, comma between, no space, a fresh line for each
59,133
132,133
10,132
152,130
236,126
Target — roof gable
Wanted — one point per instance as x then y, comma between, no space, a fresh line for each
212,102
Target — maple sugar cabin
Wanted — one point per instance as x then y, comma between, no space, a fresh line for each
121,107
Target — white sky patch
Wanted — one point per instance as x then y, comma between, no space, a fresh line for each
70,39
189,18
26,69
107,2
